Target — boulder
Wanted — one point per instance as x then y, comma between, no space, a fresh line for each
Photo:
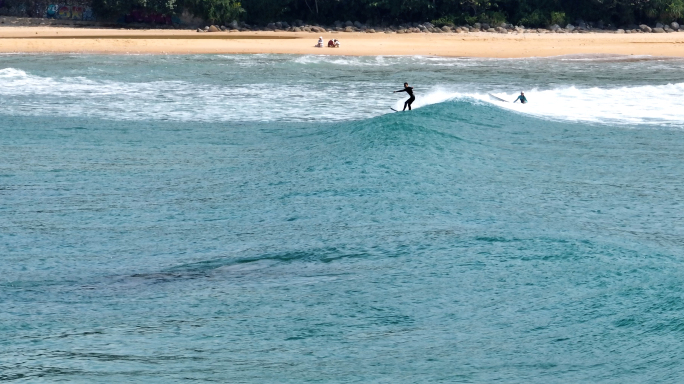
233,25
223,28
620,31
348,24
206,28
285,24
645,28
477,25
349,29
491,30
200,30
297,29
446,29
357,24
370,30
298,23
674,25
659,25
658,30
270,26
570,27
428,25
554,27
214,28
485,26
338,24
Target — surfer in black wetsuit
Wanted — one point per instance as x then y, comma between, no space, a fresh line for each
408,90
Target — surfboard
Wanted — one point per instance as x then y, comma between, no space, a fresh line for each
393,109
498,98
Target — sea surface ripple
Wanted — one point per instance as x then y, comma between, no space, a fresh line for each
266,219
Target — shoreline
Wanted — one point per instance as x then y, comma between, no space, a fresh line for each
480,44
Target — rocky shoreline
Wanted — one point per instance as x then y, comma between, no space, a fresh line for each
427,27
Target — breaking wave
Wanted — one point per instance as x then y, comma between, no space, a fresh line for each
26,94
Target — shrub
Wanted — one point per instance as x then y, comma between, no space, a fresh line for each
219,11
557,18
534,19
444,20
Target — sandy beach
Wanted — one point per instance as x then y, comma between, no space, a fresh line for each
113,41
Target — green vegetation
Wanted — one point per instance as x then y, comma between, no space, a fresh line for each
219,11
532,13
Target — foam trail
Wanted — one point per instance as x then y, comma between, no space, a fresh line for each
25,94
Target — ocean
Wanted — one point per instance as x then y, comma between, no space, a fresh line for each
269,219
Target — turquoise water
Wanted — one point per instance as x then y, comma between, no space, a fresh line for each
264,219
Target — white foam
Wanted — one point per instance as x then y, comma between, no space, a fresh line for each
26,94
658,105
22,93
434,96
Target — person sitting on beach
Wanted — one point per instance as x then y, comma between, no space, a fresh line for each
522,98
337,43
408,90
331,44
320,42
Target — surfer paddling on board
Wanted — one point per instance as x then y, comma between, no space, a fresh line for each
522,98
408,90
